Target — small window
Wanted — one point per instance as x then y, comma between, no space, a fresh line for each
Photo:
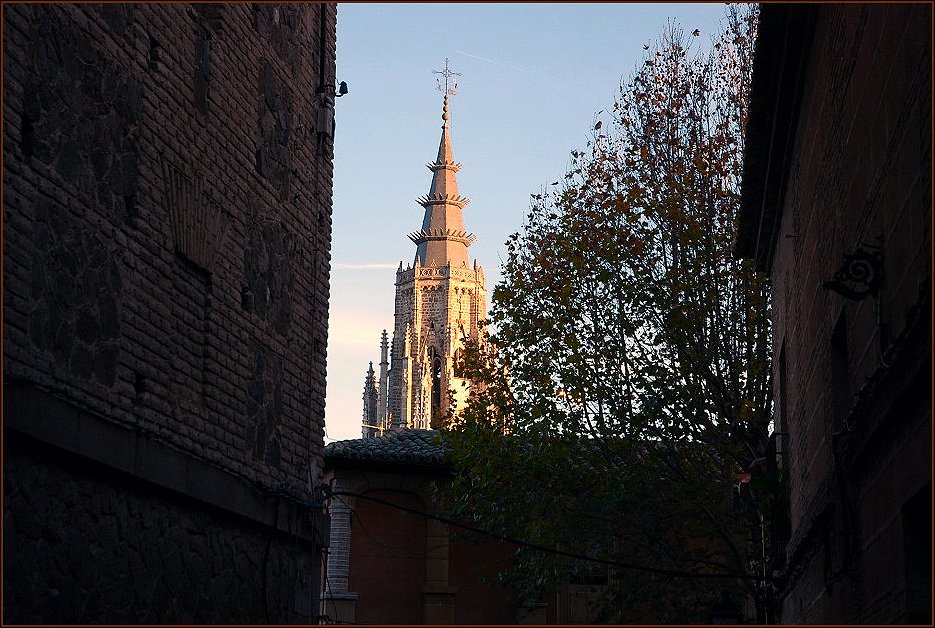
436,389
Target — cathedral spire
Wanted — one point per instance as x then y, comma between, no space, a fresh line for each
444,147
440,301
444,188
443,239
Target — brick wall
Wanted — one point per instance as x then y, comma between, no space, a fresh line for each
474,568
386,541
390,565
854,375
167,224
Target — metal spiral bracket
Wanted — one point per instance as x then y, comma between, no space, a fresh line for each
860,276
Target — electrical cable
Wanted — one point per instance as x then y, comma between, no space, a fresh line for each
323,617
544,548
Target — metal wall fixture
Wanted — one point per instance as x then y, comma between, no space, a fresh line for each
325,122
860,276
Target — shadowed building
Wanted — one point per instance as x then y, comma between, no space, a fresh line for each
837,208
167,226
390,564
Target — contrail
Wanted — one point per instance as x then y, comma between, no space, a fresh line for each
466,54
538,72
339,266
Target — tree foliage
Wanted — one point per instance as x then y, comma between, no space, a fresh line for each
630,381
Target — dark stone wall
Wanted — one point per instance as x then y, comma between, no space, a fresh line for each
853,376
166,248
75,290
145,556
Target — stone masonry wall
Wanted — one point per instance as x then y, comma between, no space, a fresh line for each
860,178
166,246
146,557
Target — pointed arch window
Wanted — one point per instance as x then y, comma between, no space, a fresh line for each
436,386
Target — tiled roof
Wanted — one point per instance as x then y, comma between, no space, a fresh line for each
412,447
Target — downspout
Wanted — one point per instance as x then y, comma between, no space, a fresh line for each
322,40
325,91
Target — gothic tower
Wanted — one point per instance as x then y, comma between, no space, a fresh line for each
439,300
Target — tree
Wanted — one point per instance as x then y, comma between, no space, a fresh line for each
630,382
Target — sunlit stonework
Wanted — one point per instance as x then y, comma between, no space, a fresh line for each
439,300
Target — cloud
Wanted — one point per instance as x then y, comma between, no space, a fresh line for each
339,266
346,335
351,327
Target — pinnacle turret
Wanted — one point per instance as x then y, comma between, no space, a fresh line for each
370,414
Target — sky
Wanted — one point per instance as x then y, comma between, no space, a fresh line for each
535,79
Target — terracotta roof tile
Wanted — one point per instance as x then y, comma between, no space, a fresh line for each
403,446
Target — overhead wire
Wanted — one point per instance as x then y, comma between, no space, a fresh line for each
675,573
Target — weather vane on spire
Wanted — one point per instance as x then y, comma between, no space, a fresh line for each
448,74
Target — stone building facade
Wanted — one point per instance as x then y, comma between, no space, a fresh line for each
167,223
439,301
837,208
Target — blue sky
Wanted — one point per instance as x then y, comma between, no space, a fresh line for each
534,80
